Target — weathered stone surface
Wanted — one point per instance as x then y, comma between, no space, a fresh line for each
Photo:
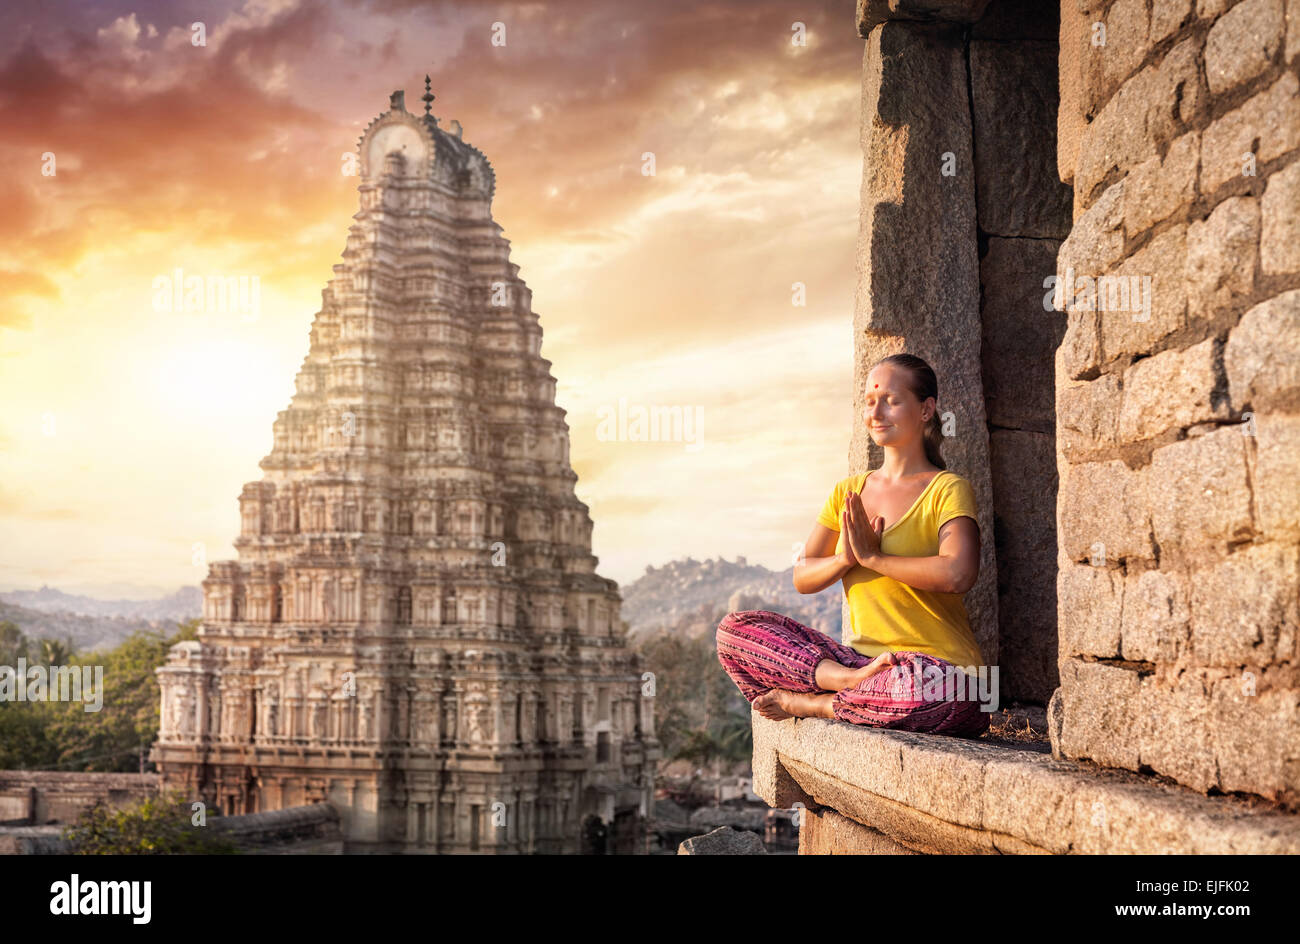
1017,335
1070,119
1272,118
1244,607
1171,389
1013,90
1254,728
915,103
1099,722
1095,243
948,795
723,841
1157,272
1024,494
1139,117
1172,724
1242,43
1198,493
1105,503
1154,626
1208,9
1292,29
1221,255
871,13
826,832
1262,356
1279,248
1088,416
1126,45
1277,470
1156,188
1166,17
1090,601
1081,347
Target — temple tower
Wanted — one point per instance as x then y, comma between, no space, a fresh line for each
414,629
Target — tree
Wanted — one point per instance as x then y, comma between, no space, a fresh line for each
157,825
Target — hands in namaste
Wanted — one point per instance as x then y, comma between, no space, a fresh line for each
861,531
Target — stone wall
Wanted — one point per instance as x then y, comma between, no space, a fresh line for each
1179,415
38,797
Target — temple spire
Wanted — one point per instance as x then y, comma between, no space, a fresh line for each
427,97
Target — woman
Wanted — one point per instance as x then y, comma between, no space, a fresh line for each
904,540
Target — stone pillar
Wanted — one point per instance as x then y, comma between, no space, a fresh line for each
1178,395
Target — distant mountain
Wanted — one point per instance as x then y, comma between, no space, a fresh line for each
86,633
185,603
684,593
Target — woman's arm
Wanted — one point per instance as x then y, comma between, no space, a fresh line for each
819,566
953,570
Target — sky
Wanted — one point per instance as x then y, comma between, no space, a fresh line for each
127,432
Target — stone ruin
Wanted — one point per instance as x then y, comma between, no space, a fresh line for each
414,631
1100,204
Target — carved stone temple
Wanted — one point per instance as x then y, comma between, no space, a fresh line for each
415,631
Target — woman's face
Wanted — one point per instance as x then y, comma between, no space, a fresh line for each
891,411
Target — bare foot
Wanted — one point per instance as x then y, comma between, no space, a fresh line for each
879,664
771,704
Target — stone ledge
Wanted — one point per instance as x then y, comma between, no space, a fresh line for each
943,795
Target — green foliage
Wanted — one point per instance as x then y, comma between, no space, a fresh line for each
157,825
63,735
700,714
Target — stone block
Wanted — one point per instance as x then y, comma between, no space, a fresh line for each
1199,493
1139,119
1072,38
1262,356
1171,389
1253,734
1242,43
1090,606
1272,118
1095,243
1097,721
1087,416
1155,623
723,841
1157,188
1126,45
1024,496
1018,335
1277,470
1172,725
1014,97
1279,247
1156,273
1104,503
1292,29
1167,16
1221,255
1244,607
1081,347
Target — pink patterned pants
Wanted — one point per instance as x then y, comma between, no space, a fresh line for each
762,650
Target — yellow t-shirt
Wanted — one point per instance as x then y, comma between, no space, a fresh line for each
888,615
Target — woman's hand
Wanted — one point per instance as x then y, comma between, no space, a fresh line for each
862,532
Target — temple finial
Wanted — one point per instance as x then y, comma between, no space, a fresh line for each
427,97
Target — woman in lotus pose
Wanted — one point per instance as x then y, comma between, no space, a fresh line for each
904,540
